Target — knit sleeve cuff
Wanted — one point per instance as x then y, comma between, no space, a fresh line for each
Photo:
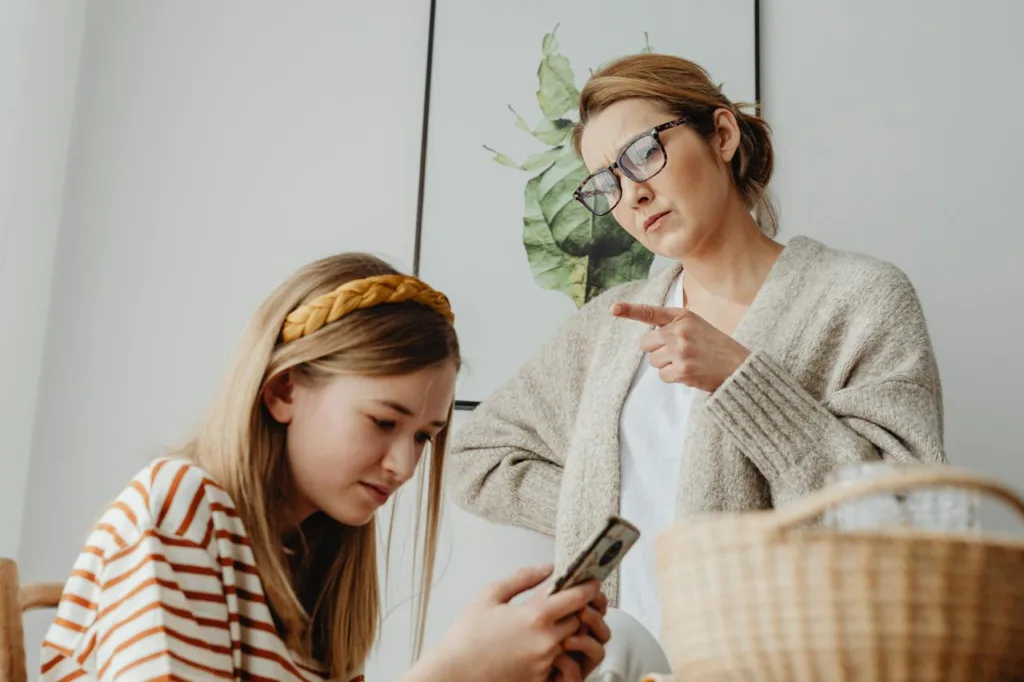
784,430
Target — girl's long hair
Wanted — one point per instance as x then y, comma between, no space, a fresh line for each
326,604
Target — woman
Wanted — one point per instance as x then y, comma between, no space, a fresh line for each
733,381
250,554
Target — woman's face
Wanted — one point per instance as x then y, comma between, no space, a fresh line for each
678,210
353,440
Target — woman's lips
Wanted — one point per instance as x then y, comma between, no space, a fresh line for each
654,222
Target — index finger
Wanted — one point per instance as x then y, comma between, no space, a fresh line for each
648,314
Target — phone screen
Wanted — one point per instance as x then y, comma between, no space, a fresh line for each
600,555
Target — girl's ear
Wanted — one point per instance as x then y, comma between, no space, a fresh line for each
278,397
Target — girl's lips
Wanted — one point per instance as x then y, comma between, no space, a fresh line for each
381,495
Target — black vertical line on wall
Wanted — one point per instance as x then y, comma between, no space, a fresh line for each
423,141
421,190
757,52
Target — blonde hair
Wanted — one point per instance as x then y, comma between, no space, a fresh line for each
685,89
336,620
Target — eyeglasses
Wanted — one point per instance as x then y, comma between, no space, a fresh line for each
640,160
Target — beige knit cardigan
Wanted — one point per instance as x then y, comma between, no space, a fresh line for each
841,370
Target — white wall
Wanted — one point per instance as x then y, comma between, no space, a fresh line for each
896,125
210,158
15,22
216,148
213,153
39,50
15,19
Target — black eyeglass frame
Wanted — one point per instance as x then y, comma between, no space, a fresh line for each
654,133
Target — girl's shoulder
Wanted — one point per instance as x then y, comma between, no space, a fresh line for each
175,497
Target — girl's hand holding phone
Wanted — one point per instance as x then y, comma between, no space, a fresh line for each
584,651
500,641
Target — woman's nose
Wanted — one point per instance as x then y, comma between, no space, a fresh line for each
635,193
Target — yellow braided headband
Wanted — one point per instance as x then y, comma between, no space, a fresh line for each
362,293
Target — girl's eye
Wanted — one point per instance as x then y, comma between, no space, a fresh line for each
389,425
383,424
422,437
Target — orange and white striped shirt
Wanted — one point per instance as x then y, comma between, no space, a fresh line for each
166,589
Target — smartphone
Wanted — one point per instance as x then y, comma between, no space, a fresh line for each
600,555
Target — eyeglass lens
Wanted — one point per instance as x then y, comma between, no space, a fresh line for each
641,160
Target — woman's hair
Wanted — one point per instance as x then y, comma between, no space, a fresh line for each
325,598
683,88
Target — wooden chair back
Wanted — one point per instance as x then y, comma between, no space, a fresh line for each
15,600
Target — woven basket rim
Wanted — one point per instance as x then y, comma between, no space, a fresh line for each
795,519
742,534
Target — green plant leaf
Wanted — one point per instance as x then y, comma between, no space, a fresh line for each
520,121
533,162
549,132
647,45
574,229
557,93
554,132
503,159
631,265
568,248
549,45
542,159
552,268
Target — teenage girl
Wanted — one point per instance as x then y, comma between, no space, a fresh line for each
251,552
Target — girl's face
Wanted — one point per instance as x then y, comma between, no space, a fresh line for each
353,440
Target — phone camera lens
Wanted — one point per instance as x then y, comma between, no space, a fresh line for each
611,553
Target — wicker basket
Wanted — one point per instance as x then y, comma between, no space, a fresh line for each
768,596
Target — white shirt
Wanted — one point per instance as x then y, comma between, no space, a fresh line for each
651,431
